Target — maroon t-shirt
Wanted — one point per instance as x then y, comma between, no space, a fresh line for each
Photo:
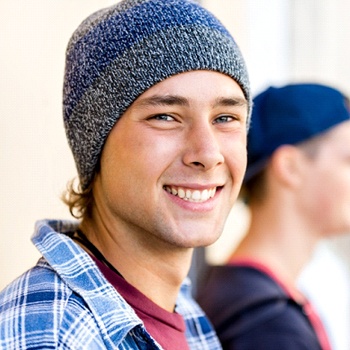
167,328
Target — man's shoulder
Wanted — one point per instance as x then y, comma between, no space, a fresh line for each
38,293
241,290
39,308
254,309
241,283
39,280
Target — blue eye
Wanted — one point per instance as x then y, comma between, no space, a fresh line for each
224,119
163,117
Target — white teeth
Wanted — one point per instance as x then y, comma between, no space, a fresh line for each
181,193
192,195
196,195
204,195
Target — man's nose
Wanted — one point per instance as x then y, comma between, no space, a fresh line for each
202,147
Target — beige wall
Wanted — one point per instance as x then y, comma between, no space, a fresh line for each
35,162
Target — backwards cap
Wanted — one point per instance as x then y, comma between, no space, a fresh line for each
118,53
289,115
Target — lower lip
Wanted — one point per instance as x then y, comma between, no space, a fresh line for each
200,207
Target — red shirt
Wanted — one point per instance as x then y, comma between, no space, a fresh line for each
167,328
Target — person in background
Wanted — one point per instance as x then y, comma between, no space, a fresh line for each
297,187
156,107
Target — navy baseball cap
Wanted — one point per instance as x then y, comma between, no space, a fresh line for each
289,115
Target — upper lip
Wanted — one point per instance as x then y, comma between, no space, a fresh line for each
193,186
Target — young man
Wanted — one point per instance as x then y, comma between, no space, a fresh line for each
156,107
298,190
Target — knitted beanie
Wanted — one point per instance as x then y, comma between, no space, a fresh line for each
119,52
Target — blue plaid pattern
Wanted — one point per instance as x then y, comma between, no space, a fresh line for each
64,302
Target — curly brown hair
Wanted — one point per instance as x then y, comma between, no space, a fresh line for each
78,200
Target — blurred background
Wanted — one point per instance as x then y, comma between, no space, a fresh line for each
282,40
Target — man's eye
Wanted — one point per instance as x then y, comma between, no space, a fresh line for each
223,119
163,117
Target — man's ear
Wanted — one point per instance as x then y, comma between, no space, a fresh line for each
287,165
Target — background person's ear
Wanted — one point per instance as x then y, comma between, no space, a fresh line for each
287,164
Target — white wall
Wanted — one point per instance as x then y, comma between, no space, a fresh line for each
321,41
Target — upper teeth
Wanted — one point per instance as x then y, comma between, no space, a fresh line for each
192,195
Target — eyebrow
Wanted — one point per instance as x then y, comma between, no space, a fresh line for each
230,102
172,100
166,100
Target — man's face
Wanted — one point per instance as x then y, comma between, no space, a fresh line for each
173,165
326,194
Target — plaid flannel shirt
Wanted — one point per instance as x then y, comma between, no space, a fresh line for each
64,302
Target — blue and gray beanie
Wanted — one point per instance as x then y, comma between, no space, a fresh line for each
119,52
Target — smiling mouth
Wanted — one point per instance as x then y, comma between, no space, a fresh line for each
191,195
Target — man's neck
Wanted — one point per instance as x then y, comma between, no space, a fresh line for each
280,242
157,273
